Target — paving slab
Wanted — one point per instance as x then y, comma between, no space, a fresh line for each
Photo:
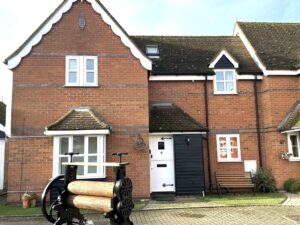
266,215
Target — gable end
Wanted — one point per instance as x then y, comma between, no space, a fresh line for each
14,60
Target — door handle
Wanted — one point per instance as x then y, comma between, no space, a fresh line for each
167,185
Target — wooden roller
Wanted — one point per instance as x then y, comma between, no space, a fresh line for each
90,202
92,188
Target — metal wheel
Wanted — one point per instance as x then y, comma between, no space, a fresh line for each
46,201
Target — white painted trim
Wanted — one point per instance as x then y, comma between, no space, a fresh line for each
197,77
234,91
228,56
75,132
67,5
292,158
238,32
173,133
248,77
2,163
147,63
290,131
178,78
101,156
81,71
228,136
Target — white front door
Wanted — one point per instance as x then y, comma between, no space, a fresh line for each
162,178
2,145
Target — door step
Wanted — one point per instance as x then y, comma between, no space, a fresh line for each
163,196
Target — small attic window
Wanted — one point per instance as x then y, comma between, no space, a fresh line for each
152,51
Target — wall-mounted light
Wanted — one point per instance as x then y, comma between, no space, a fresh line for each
140,143
187,141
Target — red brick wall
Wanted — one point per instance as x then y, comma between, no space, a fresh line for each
225,112
278,94
40,98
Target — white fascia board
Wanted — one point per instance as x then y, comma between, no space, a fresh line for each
14,61
179,78
75,132
174,133
290,131
147,63
228,56
248,77
238,32
197,78
282,72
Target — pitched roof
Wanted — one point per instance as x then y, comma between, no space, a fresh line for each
191,55
15,58
276,44
292,119
2,135
78,120
170,118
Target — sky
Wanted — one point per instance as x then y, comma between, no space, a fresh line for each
18,19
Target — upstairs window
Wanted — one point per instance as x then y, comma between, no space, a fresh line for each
294,146
225,82
152,51
81,71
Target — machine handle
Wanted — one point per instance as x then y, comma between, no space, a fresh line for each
120,154
71,154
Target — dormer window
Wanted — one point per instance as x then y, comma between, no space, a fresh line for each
225,67
225,82
152,51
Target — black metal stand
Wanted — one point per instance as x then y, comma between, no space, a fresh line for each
122,203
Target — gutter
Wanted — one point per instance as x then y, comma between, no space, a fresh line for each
257,122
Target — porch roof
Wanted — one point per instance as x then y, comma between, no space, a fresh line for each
171,118
292,119
78,119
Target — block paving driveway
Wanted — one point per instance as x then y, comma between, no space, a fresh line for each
272,215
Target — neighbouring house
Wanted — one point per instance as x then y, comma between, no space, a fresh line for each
2,145
183,107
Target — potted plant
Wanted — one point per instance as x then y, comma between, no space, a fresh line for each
26,200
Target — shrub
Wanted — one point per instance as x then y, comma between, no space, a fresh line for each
295,187
288,183
264,181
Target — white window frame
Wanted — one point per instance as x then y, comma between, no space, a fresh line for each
81,71
290,147
234,91
228,159
101,155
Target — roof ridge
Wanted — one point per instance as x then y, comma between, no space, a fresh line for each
186,36
268,22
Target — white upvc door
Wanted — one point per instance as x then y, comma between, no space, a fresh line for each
2,155
162,175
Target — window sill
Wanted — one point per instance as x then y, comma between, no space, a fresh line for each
294,160
230,161
225,93
81,86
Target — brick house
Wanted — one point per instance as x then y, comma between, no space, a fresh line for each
200,104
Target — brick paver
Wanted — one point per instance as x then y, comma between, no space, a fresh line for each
292,199
270,215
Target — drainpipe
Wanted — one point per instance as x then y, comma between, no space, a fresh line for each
207,125
257,122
